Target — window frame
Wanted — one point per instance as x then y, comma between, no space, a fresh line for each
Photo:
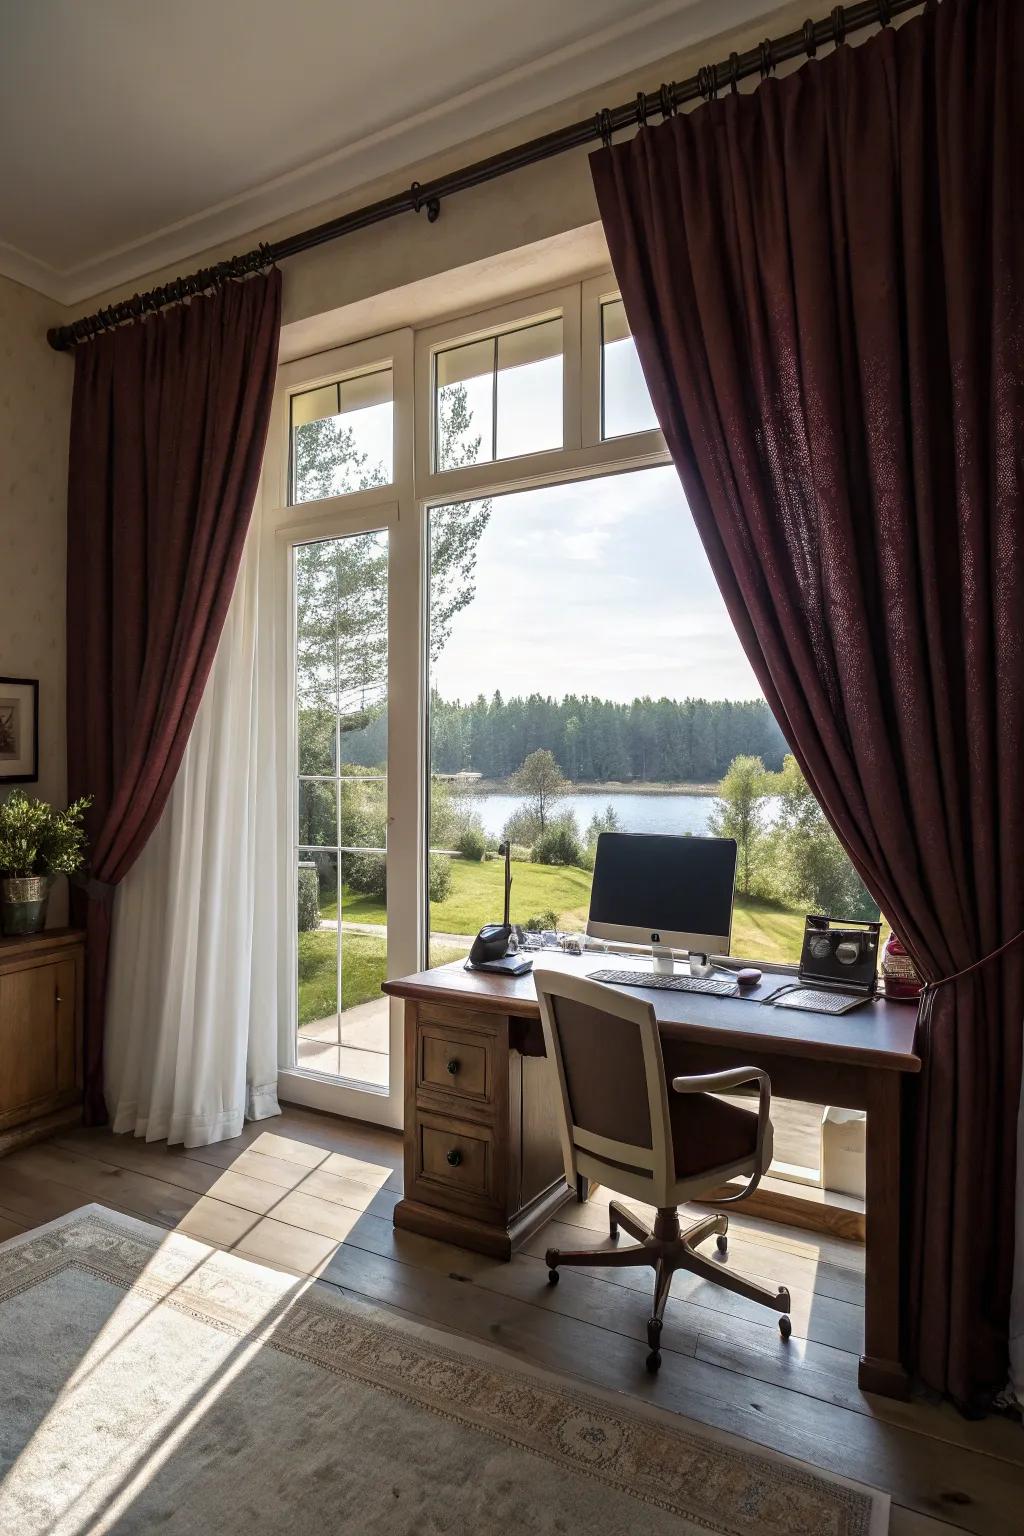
416,489
287,525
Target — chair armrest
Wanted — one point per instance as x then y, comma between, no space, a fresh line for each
723,1082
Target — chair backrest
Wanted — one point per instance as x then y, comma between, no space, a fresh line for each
606,1052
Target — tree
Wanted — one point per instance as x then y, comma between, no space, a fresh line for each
740,814
817,867
539,780
341,586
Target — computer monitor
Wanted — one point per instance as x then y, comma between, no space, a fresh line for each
669,892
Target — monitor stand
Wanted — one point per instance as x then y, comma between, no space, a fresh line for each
664,963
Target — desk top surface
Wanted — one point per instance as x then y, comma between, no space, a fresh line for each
879,1034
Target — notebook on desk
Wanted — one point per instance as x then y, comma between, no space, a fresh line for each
817,1000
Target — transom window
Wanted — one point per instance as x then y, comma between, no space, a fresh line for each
342,437
625,402
499,397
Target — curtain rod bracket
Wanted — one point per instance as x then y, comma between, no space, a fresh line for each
431,204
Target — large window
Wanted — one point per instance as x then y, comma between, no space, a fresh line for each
560,662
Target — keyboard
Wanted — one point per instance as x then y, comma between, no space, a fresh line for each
718,986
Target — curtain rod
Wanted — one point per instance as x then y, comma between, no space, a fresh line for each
705,84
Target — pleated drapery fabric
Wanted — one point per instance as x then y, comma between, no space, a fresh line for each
168,426
825,280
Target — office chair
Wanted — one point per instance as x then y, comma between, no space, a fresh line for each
620,1126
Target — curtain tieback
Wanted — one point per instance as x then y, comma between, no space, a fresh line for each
944,981
95,890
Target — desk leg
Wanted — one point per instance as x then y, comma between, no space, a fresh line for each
880,1367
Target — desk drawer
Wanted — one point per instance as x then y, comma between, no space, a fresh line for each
460,1159
455,1062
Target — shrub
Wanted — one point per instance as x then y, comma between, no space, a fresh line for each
309,898
523,826
472,844
540,921
439,877
603,821
367,874
560,844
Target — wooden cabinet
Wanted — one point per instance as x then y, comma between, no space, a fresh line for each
40,1034
483,1161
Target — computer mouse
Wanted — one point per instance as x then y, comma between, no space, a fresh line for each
749,976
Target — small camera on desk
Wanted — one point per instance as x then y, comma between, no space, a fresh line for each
840,953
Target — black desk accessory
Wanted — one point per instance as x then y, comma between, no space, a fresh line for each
840,953
492,942
505,965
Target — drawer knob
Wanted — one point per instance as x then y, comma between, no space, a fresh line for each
453,1065
454,1157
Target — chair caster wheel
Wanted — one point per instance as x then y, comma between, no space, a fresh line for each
785,1326
722,1243
653,1361
552,1277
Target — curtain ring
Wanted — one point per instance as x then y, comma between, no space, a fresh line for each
884,13
603,126
641,109
667,100
810,39
767,58
734,72
704,82
838,25
432,204
711,76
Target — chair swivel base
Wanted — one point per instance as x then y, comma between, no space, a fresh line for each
667,1248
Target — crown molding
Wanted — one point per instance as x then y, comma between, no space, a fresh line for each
638,40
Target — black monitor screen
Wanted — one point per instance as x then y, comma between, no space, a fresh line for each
664,884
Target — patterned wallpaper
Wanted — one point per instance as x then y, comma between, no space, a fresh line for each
35,407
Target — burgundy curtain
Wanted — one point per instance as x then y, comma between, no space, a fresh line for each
825,279
168,425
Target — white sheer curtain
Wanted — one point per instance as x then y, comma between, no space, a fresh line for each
197,988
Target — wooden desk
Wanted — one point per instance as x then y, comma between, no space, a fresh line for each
482,1161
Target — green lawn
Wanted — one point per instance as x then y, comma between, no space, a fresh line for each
761,929
363,968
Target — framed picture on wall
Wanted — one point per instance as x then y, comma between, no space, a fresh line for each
19,730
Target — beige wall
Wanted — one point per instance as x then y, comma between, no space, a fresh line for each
35,408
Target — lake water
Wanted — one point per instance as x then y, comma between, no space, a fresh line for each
639,812
636,813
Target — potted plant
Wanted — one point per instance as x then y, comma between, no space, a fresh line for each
37,842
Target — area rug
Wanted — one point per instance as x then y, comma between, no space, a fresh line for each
153,1384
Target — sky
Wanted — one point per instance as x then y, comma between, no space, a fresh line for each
600,586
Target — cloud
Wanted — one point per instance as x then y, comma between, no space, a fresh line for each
601,586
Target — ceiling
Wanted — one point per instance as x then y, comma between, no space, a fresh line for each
136,133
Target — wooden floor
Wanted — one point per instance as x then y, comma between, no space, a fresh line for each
314,1194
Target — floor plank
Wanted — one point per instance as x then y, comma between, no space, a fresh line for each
314,1195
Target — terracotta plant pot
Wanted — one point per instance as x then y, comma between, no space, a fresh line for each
23,903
